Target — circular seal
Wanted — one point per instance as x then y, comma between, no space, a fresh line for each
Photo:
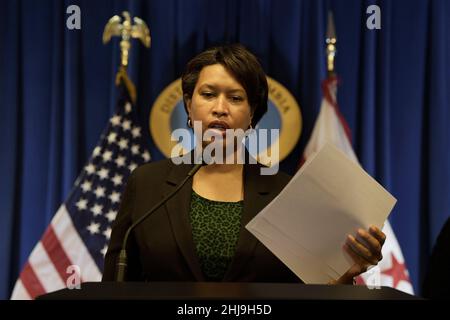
283,113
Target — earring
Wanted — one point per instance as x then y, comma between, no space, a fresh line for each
249,131
189,123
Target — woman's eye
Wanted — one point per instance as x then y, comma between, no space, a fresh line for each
207,94
236,99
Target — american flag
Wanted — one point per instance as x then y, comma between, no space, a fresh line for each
331,127
79,233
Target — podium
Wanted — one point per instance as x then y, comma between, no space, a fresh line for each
222,291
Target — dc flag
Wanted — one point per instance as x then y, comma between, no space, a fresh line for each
331,127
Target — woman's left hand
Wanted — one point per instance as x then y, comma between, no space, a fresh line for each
365,250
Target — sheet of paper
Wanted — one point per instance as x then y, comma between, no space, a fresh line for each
291,255
306,225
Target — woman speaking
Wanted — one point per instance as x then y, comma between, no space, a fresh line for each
199,234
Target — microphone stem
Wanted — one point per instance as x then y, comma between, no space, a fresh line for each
122,261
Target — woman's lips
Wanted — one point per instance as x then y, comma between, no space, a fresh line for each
219,127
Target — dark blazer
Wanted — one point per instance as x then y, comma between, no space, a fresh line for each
437,278
162,248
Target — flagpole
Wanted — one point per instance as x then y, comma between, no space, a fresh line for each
331,41
126,30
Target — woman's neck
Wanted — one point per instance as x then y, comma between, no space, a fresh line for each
222,169
220,182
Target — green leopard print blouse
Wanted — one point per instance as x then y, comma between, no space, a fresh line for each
215,230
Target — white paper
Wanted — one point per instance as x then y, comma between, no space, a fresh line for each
306,225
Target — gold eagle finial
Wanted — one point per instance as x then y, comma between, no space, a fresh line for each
127,31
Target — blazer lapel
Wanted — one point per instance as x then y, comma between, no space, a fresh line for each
178,210
256,193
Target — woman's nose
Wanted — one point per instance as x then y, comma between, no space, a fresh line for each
220,107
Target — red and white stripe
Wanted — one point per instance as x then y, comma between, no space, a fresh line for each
331,127
46,268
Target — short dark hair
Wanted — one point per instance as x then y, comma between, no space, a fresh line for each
242,64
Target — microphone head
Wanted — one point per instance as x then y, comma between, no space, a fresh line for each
196,168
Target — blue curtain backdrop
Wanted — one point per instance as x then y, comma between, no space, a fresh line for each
57,93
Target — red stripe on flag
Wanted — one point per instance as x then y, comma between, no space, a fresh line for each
302,162
31,282
327,94
56,253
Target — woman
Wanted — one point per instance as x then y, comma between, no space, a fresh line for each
200,235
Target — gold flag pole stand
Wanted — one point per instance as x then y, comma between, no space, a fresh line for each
126,31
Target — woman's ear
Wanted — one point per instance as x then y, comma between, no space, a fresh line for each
187,103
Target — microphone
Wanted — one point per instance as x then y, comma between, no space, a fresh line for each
122,263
